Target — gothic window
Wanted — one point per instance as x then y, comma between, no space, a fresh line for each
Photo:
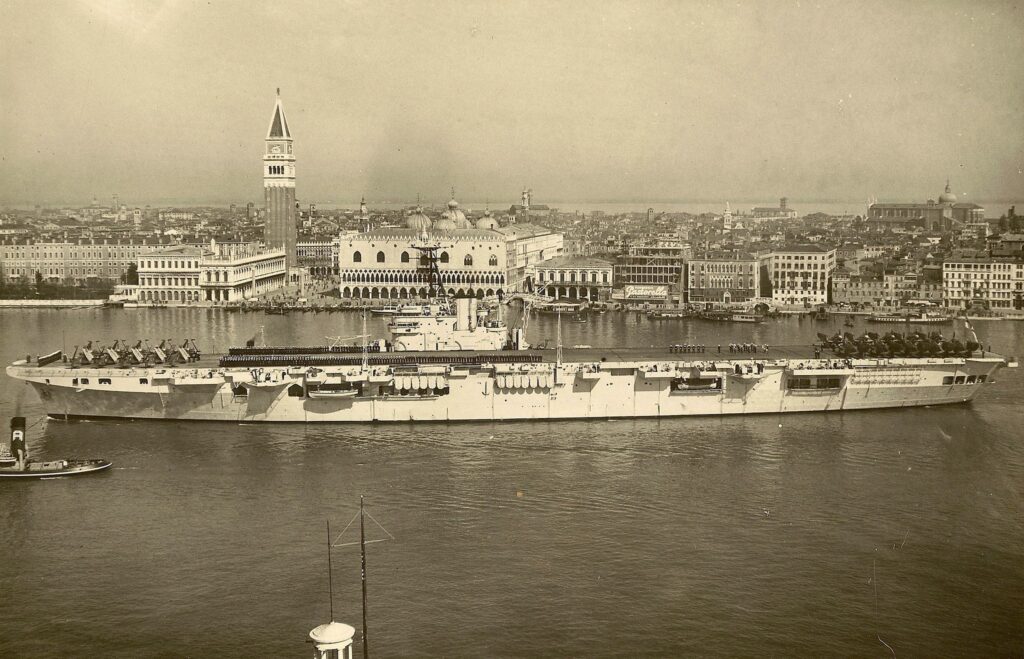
493,260
405,257
444,257
468,260
380,257
357,257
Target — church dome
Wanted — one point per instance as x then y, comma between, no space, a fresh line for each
947,197
445,224
487,222
456,216
417,220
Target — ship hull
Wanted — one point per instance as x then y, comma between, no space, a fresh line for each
509,391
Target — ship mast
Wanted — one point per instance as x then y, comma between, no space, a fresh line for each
330,573
362,554
366,355
558,341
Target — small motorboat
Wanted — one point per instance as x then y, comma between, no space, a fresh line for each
14,461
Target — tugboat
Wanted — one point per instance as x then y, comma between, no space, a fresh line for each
14,462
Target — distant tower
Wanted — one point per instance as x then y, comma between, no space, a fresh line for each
364,215
727,218
526,204
650,216
279,186
782,203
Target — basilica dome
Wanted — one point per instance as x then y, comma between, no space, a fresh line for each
417,220
487,222
456,216
947,197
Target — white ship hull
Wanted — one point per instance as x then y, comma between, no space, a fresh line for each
640,389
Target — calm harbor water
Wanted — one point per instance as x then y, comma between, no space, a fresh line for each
795,535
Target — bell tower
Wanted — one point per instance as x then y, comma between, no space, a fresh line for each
279,186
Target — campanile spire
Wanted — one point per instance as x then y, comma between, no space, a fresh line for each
279,185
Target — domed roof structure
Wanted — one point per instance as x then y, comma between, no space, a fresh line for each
417,220
457,217
947,197
332,632
487,222
444,224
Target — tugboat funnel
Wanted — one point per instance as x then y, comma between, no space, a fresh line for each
18,450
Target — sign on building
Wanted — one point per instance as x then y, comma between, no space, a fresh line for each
642,292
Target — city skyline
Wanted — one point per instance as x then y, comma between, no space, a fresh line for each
634,103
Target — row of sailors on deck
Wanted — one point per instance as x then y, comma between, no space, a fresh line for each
746,348
685,347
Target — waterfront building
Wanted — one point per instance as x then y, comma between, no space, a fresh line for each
486,260
942,215
574,278
384,263
978,279
319,256
801,274
74,262
893,289
281,231
188,274
651,272
722,278
170,275
526,244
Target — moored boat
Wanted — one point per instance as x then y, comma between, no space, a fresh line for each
15,463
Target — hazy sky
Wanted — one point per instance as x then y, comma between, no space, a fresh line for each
600,101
